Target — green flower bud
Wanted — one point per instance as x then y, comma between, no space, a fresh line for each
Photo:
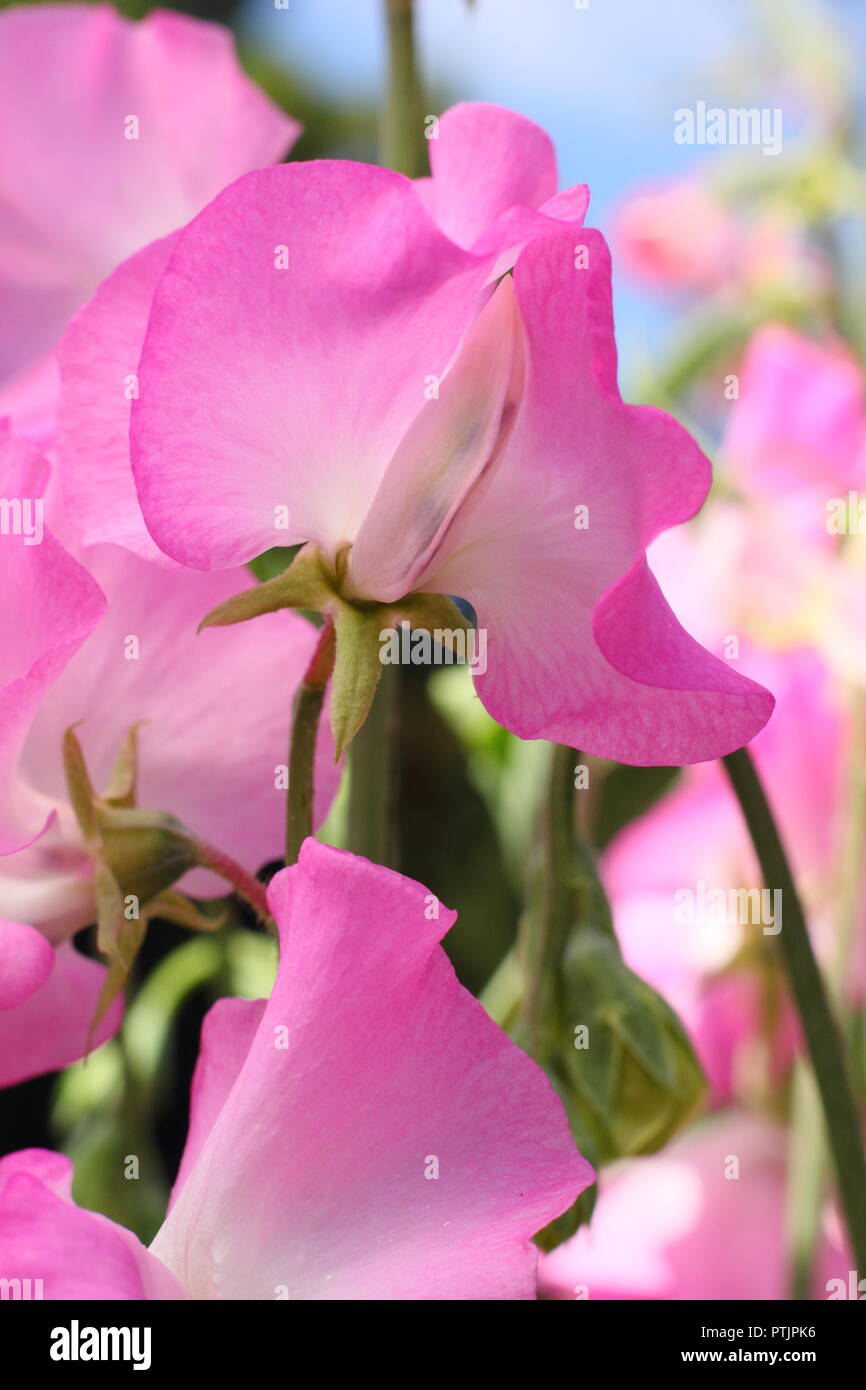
632,1072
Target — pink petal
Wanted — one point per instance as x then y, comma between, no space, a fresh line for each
50,604
26,960
490,168
98,363
312,1176
76,1254
214,709
266,388
690,705
29,401
73,206
49,1029
680,1226
581,647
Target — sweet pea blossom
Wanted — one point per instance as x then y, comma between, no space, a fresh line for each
317,350
703,1219
797,432
109,640
492,189
366,1133
147,122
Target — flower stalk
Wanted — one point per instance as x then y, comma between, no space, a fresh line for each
810,996
309,700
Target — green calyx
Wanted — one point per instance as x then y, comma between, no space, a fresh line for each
313,584
137,856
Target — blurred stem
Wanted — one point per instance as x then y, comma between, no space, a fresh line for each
372,780
851,861
808,1162
807,1165
402,136
545,925
812,1003
309,699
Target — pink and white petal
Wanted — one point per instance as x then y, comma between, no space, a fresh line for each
566,605
317,1175
214,709
447,446
85,72
98,359
75,1254
49,883
290,342
50,605
49,1029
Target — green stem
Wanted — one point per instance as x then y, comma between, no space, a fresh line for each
544,927
372,776
812,1002
309,699
402,138
808,1154
806,1177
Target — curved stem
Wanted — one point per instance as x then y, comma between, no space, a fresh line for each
812,1002
251,889
309,700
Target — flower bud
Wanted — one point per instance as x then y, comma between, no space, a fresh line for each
632,1072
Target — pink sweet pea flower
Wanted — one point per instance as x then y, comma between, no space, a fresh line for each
147,122
285,372
366,1133
703,1219
113,645
797,432
676,236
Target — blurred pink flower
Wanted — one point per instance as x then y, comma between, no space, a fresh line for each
147,122
705,1219
439,436
797,432
694,842
675,236
113,645
429,1184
